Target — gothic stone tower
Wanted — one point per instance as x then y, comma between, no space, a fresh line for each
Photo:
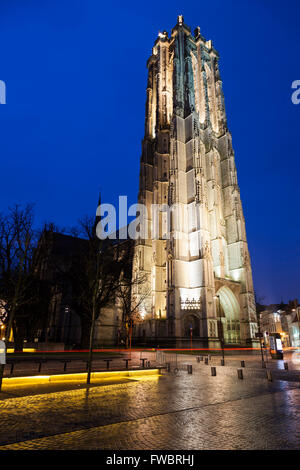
199,277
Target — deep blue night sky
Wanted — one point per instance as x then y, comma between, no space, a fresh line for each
76,87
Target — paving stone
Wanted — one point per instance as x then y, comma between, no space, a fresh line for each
170,412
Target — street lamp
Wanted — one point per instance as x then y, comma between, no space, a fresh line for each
130,324
69,320
220,329
260,335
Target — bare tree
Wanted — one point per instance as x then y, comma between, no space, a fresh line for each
259,308
16,253
132,291
93,274
19,281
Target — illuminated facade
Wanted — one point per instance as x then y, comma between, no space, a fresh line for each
198,267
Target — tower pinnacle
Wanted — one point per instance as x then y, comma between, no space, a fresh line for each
180,20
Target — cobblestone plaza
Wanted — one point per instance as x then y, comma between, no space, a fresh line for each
170,412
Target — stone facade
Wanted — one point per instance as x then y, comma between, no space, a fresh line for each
283,319
294,327
198,266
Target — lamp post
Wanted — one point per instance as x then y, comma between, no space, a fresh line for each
130,324
69,317
260,340
220,328
118,337
90,356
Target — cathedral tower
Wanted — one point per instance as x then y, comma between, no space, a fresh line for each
199,280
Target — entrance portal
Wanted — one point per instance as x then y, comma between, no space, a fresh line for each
191,321
229,311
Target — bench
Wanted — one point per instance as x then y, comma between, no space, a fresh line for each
107,362
126,360
65,362
55,358
143,359
40,362
12,363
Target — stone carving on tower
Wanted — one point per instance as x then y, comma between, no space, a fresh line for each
198,265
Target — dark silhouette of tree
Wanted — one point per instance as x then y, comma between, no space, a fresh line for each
91,274
22,291
131,291
260,307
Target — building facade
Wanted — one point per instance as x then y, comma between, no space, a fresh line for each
294,327
195,252
274,322
283,319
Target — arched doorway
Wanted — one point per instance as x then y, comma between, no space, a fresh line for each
228,309
191,321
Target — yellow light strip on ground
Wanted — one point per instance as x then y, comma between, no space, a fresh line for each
43,379
25,350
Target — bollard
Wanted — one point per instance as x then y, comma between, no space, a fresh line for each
206,360
213,371
198,358
240,374
242,363
222,362
286,366
269,376
190,369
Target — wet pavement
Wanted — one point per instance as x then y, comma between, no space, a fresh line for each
232,359
254,360
175,412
